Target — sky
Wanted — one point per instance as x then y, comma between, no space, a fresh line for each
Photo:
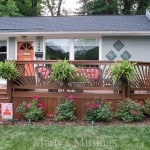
71,4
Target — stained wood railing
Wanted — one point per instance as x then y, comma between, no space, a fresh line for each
34,75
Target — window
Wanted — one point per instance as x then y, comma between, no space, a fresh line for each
86,49
57,49
3,50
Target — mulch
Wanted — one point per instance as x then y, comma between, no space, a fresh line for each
51,122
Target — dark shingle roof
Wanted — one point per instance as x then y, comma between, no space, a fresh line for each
74,23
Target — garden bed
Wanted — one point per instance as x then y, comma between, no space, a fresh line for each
47,121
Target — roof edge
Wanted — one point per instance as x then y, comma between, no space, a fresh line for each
76,34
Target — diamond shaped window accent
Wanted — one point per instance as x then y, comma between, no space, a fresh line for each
125,55
111,55
118,45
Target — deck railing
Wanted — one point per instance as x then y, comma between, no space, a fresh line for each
35,75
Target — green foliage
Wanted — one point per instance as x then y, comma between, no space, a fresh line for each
98,111
20,7
95,7
9,8
147,107
122,72
130,110
63,71
29,7
33,110
66,109
8,70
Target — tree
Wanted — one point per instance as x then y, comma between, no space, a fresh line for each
54,6
94,7
29,7
9,8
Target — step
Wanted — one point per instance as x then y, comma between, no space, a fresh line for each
4,100
3,93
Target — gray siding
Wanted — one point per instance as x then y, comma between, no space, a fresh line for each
138,47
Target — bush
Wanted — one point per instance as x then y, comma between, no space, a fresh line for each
146,108
98,111
33,110
130,110
66,109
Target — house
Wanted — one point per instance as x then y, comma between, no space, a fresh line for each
75,37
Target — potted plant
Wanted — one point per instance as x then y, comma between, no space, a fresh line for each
8,70
122,73
65,73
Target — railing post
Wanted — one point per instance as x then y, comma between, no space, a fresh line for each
9,90
123,92
128,90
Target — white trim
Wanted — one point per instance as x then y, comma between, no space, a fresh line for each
7,49
100,48
44,49
71,49
89,34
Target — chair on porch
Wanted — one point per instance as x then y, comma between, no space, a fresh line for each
43,73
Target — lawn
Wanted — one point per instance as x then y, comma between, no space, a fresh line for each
40,137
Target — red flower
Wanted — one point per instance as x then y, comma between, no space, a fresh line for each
72,97
41,105
35,97
96,105
28,106
133,112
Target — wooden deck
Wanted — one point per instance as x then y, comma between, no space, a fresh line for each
99,86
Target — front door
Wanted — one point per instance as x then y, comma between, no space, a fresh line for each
25,51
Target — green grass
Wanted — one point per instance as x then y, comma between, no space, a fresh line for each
31,137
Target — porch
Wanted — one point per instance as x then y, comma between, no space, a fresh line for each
34,80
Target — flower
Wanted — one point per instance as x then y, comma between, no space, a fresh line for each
35,97
97,111
33,110
49,115
41,105
28,106
133,112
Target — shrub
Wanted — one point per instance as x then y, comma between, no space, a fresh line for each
33,110
146,108
98,111
66,109
130,110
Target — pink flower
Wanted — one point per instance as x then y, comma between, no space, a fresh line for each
133,112
35,97
72,97
49,115
96,105
41,105
28,106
